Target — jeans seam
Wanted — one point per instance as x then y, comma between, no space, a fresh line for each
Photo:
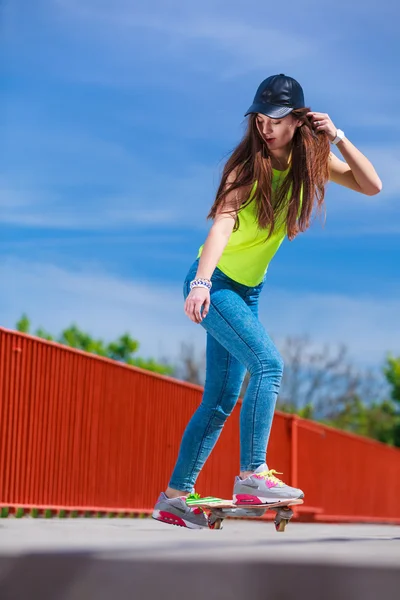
211,417
259,361
253,418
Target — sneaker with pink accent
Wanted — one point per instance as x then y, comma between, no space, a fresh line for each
263,487
175,511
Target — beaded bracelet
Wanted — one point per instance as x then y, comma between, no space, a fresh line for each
200,283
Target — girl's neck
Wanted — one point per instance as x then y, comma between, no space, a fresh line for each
281,161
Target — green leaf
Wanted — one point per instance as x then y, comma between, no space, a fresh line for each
23,325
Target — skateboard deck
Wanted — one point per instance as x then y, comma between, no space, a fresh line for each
218,509
211,502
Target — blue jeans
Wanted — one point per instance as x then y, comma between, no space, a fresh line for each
236,343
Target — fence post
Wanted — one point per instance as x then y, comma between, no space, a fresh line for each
294,451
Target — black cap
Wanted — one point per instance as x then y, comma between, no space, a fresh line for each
277,96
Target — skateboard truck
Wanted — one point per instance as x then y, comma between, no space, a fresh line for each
282,517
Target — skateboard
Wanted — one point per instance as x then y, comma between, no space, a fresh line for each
217,509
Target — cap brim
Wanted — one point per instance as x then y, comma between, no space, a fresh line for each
270,110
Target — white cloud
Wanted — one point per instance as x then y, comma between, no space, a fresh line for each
82,182
218,34
367,324
68,155
67,191
386,160
113,218
107,306
177,42
223,40
11,199
99,303
181,25
171,43
388,122
48,210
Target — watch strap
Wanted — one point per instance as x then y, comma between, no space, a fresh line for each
339,136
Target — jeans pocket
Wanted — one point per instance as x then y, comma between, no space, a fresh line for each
218,274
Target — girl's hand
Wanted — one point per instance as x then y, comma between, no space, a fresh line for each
198,297
322,122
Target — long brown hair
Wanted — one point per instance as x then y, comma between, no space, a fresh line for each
250,162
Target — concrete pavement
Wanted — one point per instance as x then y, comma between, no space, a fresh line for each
75,559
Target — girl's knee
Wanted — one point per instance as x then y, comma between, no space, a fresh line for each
209,418
268,364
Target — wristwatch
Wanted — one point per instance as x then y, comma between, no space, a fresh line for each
339,136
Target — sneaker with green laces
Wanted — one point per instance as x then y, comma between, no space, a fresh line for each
175,511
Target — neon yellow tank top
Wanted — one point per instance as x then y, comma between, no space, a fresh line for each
247,255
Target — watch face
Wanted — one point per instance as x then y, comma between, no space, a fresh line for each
339,136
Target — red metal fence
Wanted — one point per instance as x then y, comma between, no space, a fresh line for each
81,431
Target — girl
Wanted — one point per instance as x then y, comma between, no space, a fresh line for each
268,190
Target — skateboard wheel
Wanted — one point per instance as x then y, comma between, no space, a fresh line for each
215,523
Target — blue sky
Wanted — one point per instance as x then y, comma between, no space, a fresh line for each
117,120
